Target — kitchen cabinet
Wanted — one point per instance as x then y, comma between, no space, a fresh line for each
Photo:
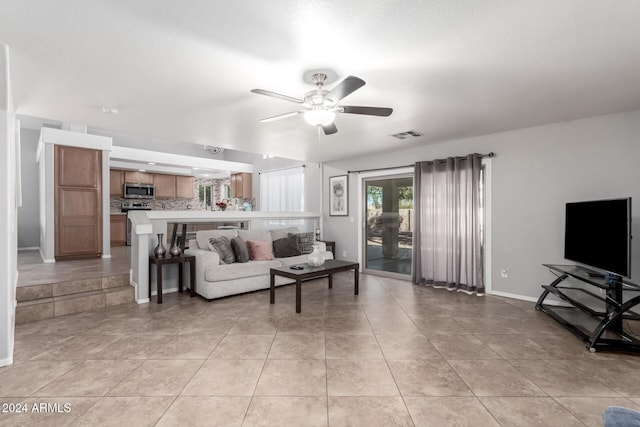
165,186
136,177
118,230
116,182
241,185
184,187
77,202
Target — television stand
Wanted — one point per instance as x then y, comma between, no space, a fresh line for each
597,309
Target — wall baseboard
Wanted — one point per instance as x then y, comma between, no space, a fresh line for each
29,248
6,362
526,298
143,301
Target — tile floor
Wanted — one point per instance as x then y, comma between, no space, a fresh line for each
396,355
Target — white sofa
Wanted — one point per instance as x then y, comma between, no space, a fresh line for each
216,280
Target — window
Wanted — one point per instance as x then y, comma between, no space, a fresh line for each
282,190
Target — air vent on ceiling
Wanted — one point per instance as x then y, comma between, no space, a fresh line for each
407,134
213,150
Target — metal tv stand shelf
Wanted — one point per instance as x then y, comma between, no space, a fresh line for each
598,312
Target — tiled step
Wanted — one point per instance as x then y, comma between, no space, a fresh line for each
37,302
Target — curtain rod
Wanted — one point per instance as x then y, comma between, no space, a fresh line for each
283,169
491,154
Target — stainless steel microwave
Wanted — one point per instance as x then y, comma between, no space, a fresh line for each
139,191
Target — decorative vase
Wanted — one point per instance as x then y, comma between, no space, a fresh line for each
315,258
175,250
159,250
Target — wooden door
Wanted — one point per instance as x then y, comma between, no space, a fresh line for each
245,184
116,181
118,230
184,187
165,186
77,202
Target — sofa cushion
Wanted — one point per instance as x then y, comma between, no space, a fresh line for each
222,245
305,242
240,250
279,233
202,237
260,250
256,235
220,273
286,247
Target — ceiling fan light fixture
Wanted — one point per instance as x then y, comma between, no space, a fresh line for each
319,117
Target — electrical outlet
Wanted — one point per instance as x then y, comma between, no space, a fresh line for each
504,273
344,253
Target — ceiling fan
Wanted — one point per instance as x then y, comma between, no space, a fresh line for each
321,105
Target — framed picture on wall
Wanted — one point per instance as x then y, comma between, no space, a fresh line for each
339,195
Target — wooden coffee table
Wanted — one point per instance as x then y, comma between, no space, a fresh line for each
327,269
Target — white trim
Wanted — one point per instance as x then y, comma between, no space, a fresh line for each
145,156
143,301
6,362
75,139
106,256
526,298
165,291
488,224
29,248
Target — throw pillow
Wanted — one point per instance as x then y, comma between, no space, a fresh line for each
222,245
305,242
286,247
260,250
240,249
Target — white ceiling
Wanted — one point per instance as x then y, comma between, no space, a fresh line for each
182,71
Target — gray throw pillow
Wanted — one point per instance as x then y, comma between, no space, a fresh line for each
286,247
240,249
305,242
222,245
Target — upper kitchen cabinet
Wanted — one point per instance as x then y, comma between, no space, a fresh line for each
77,202
136,177
165,186
184,187
116,182
241,185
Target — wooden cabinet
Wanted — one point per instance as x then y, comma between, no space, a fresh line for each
165,186
184,187
136,177
118,230
241,185
77,202
116,182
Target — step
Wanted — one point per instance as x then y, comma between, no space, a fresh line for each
56,289
44,301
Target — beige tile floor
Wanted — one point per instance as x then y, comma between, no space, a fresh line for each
395,355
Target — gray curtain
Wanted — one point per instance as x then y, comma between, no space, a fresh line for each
448,240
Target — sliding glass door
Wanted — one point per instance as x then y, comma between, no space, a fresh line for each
388,225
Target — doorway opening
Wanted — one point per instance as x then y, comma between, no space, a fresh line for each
388,225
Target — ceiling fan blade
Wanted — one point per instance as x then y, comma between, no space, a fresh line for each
370,111
280,116
277,95
345,87
330,129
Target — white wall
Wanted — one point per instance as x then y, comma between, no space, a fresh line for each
28,213
8,212
535,172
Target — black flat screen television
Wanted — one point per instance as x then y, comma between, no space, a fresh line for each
598,234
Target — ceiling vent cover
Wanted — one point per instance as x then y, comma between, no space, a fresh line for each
407,134
213,150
